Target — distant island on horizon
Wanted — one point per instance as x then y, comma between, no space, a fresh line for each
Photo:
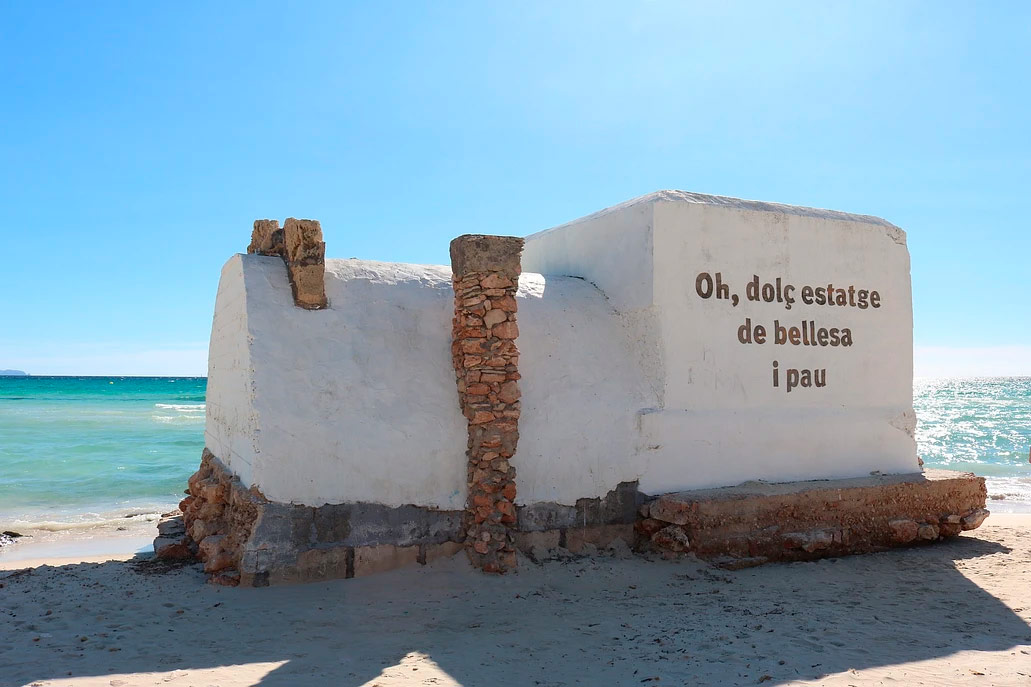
13,373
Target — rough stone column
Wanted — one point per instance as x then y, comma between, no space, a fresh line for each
300,245
306,262
485,277
267,238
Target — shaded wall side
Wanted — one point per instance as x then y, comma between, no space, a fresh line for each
582,386
358,401
231,426
612,250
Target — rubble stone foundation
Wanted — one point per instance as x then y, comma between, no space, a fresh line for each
243,538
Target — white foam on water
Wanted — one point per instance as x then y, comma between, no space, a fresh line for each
1009,494
183,407
40,533
31,549
80,521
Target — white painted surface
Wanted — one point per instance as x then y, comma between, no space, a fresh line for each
231,430
636,378
582,387
720,420
358,402
612,249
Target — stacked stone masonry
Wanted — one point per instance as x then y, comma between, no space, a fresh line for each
242,538
756,523
300,245
218,516
486,277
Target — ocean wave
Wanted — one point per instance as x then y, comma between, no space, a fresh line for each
184,407
187,419
1009,488
83,521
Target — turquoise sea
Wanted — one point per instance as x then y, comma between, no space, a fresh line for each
81,452
982,426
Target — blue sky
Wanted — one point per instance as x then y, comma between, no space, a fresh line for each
140,141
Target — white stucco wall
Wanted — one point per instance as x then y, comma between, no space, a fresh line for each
583,385
353,403
613,249
358,402
231,430
627,373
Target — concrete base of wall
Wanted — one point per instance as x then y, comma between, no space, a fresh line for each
755,522
597,522
245,539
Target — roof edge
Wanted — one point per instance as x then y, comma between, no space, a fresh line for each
677,196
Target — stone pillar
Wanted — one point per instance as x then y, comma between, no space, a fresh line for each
300,245
485,277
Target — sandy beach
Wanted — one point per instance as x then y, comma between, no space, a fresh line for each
954,613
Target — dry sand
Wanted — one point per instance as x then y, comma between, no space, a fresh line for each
955,613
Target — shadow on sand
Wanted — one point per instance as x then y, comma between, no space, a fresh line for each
584,621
